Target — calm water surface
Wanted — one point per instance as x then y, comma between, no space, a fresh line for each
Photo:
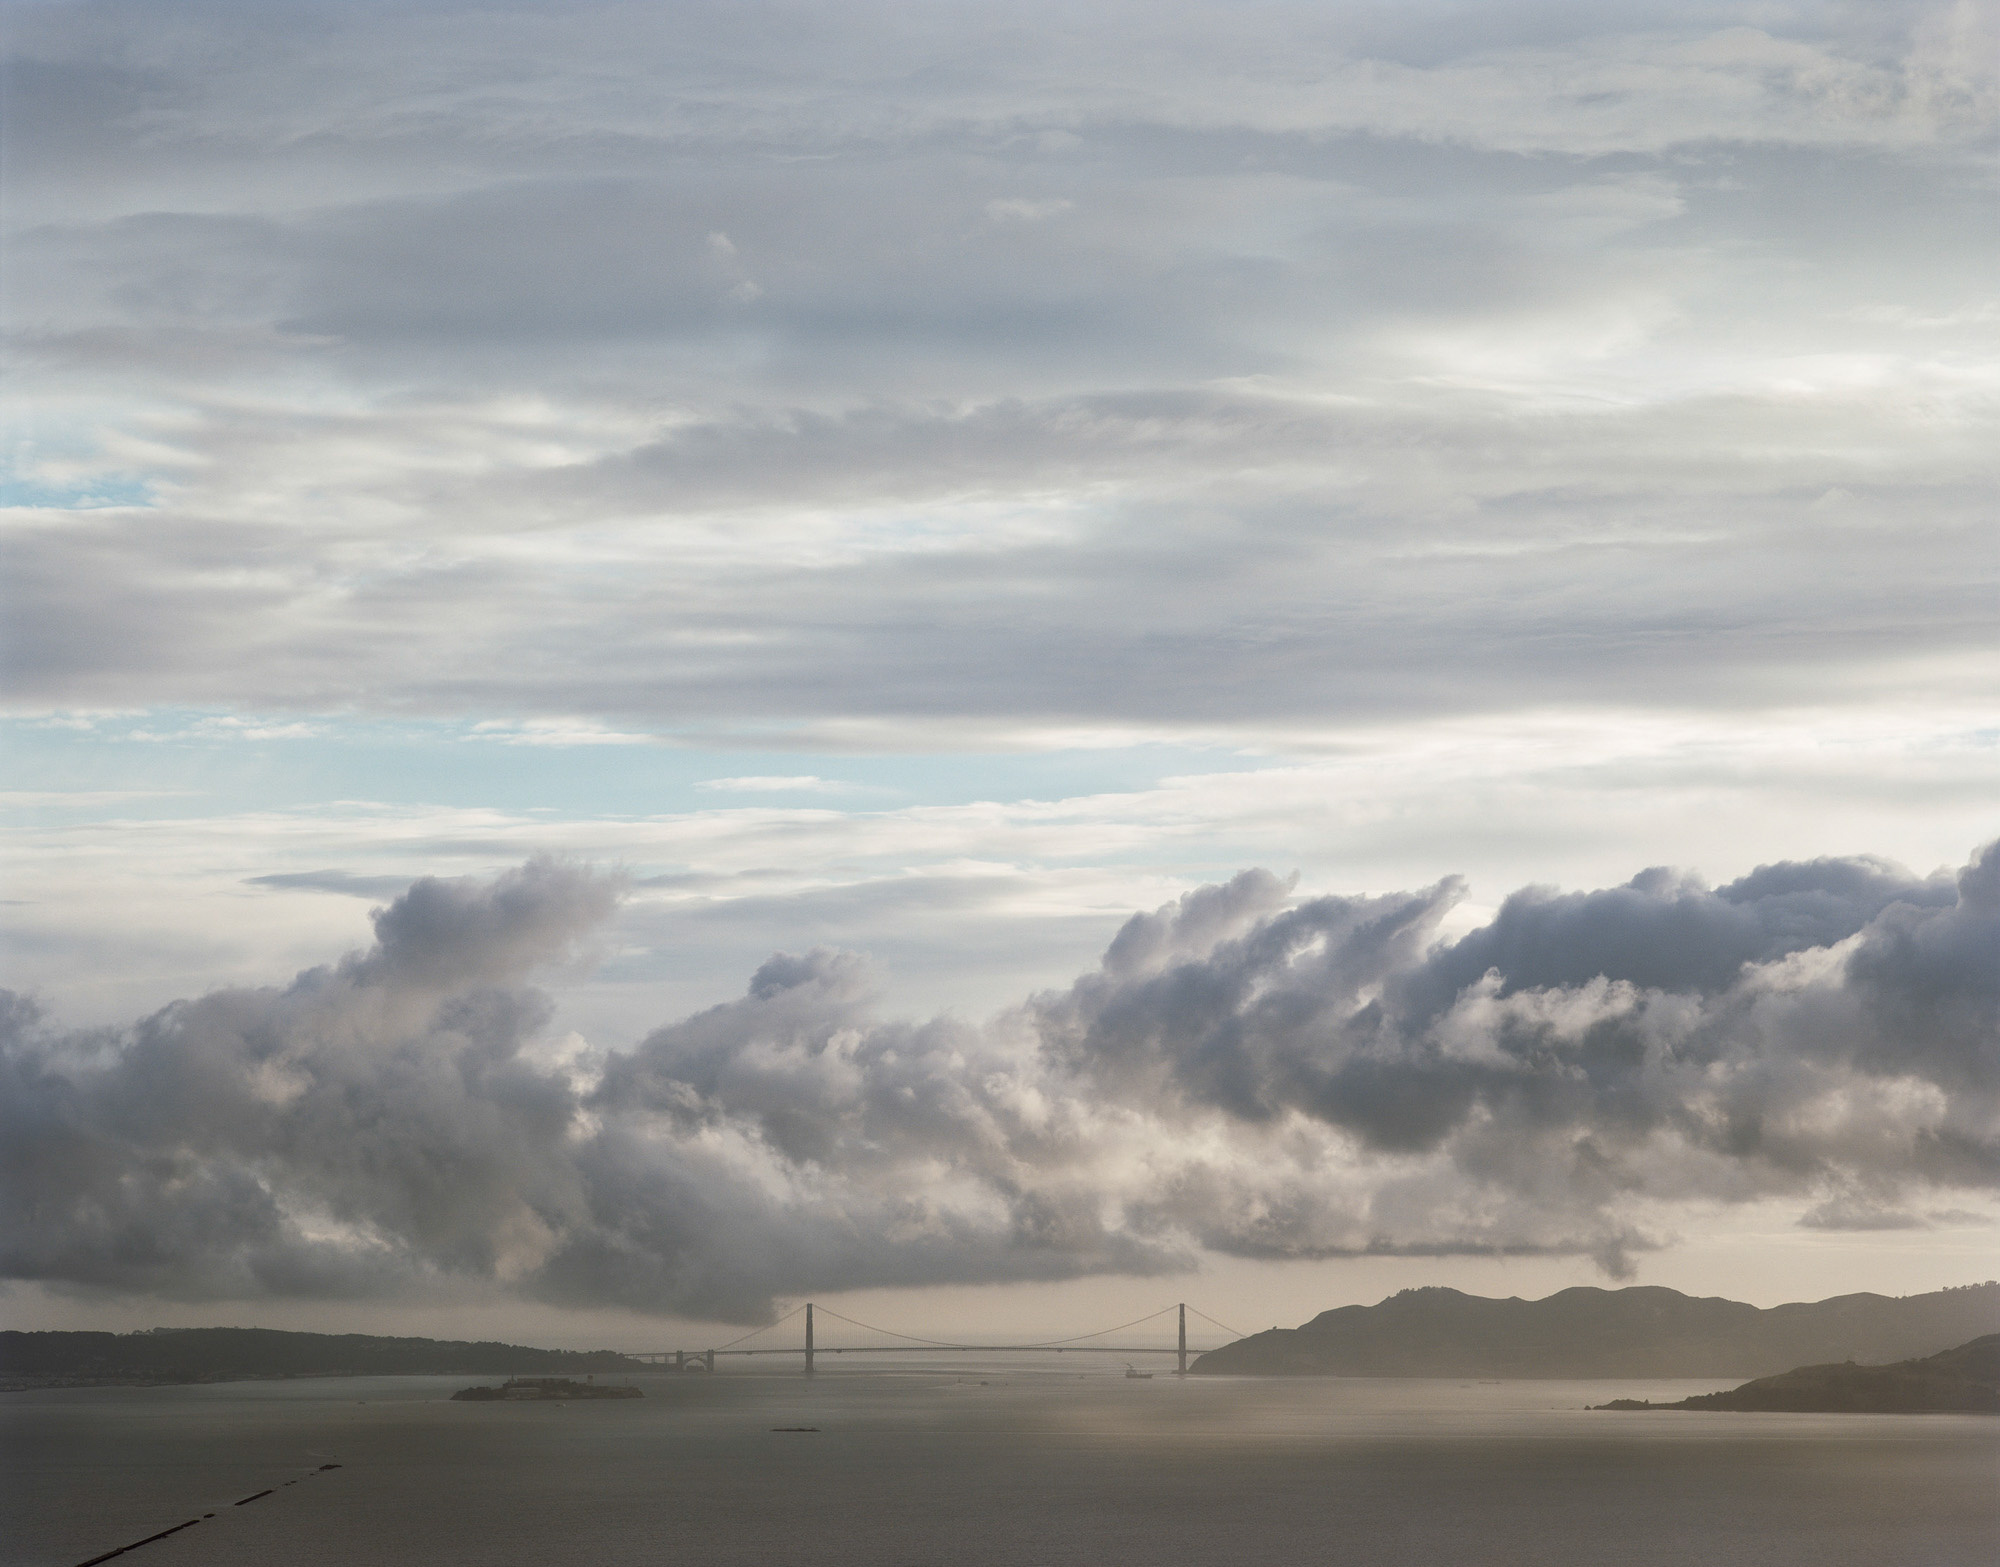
990,1464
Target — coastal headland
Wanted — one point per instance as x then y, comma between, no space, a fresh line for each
1645,1331
1961,1381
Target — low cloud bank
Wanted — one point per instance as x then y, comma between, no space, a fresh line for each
1245,1072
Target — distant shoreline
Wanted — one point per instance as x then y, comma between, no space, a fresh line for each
46,1384
183,1357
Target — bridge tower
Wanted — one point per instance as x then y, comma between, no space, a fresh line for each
809,1338
1183,1370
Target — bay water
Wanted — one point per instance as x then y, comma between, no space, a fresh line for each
982,1463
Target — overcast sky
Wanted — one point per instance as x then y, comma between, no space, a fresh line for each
908,488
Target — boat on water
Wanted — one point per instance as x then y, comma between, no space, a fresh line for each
1134,1374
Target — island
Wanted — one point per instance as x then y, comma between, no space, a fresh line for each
521,1390
1961,1381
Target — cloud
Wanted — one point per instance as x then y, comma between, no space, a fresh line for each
1306,365
345,882
229,728
763,784
1844,1214
340,1136
1246,1071
1394,386
1666,931
1022,209
554,732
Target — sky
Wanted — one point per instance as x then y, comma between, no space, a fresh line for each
997,663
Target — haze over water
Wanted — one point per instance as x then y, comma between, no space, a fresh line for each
986,1462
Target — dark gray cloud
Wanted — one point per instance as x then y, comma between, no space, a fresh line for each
1246,1072
1667,931
1836,1021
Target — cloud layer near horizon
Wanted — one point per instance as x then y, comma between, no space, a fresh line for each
1245,1072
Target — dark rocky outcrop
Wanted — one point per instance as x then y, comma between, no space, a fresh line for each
1639,1332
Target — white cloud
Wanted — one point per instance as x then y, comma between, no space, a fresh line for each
800,784
1023,209
555,732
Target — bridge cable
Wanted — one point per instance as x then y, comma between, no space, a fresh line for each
1213,1323
1101,1332
1035,1344
787,1317
869,1327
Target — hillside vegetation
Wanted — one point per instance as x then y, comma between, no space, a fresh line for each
1961,1381
1639,1332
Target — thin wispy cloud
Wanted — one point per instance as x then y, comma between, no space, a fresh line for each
1106,385
774,784
555,732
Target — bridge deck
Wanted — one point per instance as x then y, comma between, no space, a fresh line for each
935,1349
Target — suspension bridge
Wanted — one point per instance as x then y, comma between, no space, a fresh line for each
887,1341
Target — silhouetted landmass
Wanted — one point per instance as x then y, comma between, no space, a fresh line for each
1961,1381
534,1390
1639,1332
166,1355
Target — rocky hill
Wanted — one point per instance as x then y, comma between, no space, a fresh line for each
1639,1332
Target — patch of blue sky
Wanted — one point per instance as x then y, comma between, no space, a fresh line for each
64,455
94,493
185,762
